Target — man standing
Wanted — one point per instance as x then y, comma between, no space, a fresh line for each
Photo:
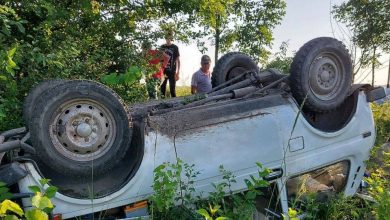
171,71
201,79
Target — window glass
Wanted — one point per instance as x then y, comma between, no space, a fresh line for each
268,204
322,182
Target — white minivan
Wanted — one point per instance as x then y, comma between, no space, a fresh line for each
311,127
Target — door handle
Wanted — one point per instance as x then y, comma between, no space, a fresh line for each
275,174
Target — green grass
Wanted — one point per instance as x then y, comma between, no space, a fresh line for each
180,91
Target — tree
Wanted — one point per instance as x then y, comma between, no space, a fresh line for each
281,61
10,26
47,39
101,40
245,25
369,21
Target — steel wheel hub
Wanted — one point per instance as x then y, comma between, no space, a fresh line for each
325,76
82,130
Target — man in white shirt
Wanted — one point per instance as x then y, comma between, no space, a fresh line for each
201,79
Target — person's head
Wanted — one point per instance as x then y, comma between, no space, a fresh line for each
205,62
169,37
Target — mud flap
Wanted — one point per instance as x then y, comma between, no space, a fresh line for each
372,93
376,94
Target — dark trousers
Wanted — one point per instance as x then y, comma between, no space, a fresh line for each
172,83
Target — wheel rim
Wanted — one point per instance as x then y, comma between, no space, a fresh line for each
82,130
325,76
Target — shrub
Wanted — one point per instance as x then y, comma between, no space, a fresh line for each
41,203
176,198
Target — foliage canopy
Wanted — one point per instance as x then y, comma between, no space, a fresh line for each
369,22
100,40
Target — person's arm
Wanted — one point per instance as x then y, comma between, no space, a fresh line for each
193,89
177,69
177,64
194,84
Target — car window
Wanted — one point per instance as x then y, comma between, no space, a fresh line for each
268,205
321,182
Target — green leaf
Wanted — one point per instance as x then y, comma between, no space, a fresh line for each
2,184
128,78
248,183
11,217
292,213
36,214
214,209
20,27
44,181
3,190
259,165
11,64
5,196
57,64
34,189
3,78
41,202
11,52
8,205
134,70
133,74
203,212
160,167
48,210
111,79
221,218
10,70
263,173
51,191
6,31
262,183
251,195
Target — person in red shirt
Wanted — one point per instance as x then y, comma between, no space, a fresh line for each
157,61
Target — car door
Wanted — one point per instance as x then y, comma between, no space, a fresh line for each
237,144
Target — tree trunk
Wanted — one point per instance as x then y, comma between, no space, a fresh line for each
388,76
217,38
373,67
354,65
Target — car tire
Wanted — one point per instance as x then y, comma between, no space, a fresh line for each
80,128
33,95
231,65
321,74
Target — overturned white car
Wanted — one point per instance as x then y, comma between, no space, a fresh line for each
311,125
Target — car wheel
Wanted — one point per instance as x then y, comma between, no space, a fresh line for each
34,94
80,128
231,65
321,74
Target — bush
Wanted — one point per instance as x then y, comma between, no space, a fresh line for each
382,122
41,203
175,197
68,40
